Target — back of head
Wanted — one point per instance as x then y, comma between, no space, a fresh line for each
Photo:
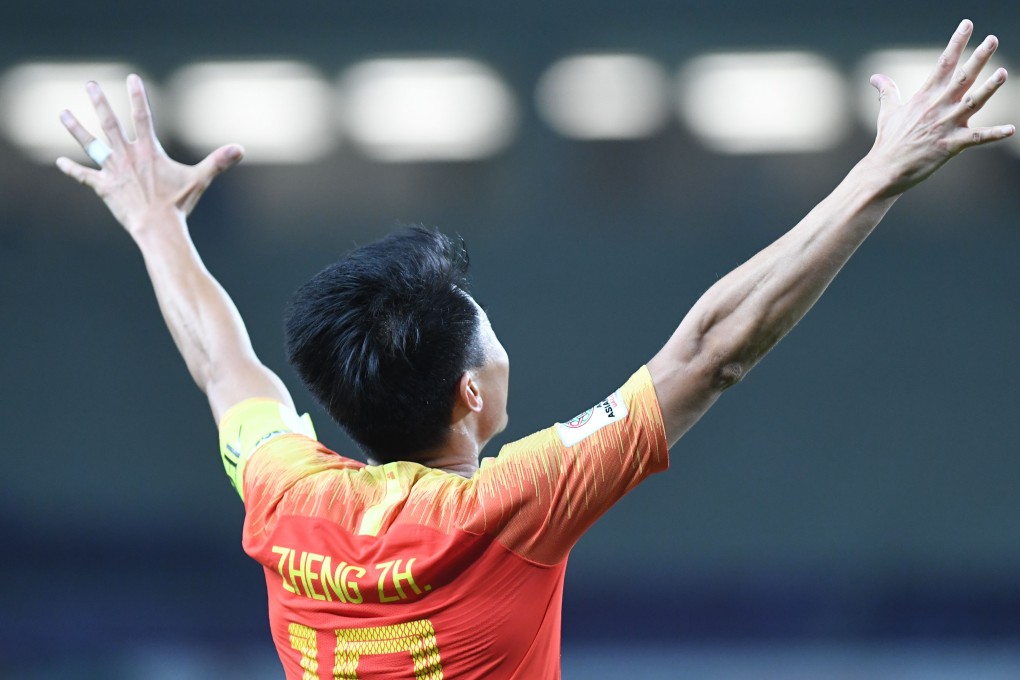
382,337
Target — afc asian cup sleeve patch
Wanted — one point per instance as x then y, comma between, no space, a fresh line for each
610,410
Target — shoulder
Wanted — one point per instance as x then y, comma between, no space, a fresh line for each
629,413
265,442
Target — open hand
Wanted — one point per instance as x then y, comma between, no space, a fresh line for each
136,179
917,137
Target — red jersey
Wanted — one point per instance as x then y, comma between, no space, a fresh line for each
403,571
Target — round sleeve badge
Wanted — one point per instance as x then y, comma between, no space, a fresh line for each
608,411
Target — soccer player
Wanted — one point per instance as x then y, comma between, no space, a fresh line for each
422,561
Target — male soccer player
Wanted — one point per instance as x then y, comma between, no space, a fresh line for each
424,562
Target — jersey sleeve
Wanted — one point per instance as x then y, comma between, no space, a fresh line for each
542,492
248,425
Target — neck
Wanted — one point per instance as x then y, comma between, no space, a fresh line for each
458,454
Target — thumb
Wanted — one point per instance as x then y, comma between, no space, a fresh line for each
220,160
888,93
208,169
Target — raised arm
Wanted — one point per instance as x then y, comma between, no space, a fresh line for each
740,318
151,196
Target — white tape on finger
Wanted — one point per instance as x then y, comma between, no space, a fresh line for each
98,151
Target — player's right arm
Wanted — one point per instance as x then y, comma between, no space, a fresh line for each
151,196
740,318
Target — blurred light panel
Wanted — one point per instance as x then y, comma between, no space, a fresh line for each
32,96
769,102
910,67
280,111
608,96
427,109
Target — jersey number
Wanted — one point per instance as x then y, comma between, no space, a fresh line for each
417,638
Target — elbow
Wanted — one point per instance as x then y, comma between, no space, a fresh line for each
713,356
729,356
714,371
726,374
724,364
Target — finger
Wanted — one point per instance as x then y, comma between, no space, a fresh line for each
78,172
977,98
100,153
965,75
141,111
107,118
950,57
77,130
220,160
969,137
888,93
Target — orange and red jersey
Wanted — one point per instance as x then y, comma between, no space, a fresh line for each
403,571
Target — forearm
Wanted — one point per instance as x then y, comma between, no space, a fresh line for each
744,314
201,317
739,319
198,313
150,194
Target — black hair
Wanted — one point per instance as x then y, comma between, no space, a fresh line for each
382,337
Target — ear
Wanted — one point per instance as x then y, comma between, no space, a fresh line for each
469,396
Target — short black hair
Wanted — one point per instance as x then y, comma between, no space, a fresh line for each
381,339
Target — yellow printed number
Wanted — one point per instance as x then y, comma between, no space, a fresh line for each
416,638
302,639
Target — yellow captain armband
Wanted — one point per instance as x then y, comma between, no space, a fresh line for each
249,424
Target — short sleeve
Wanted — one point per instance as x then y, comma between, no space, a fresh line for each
250,424
548,488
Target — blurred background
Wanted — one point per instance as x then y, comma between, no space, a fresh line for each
849,511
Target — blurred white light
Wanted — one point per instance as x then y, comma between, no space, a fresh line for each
280,111
428,109
745,103
32,96
608,96
910,67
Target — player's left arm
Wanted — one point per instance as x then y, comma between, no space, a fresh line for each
740,318
151,195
